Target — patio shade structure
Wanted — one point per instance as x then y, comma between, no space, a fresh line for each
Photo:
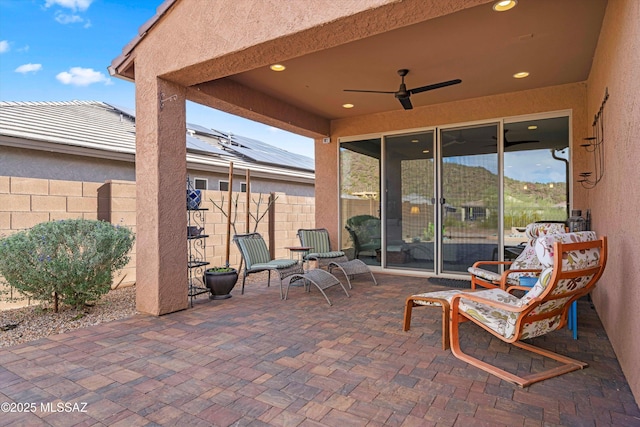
223,58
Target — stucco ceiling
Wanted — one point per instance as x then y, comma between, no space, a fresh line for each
553,40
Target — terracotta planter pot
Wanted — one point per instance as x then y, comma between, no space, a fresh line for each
220,284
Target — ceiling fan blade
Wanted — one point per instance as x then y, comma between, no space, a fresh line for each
508,143
406,103
366,91
435,86
526,141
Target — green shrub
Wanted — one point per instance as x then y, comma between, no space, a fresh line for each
71,260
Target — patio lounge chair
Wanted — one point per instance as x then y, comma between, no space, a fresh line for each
256,258
526,264
572,262
364,231
318,239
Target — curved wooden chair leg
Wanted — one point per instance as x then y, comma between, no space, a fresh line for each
568,365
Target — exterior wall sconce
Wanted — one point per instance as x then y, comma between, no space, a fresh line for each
595,144
415,210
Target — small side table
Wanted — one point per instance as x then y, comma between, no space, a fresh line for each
301,251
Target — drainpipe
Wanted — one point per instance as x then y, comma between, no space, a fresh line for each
566,168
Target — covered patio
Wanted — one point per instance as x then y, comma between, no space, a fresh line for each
240,362
218,54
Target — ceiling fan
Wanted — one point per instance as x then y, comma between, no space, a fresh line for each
403,95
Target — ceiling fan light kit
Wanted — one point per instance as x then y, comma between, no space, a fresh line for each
403,94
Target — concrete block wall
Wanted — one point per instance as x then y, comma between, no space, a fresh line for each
291,213
117,204
25,202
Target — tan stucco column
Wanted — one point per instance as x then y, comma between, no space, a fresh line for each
161,283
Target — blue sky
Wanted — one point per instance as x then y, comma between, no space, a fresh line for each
59,50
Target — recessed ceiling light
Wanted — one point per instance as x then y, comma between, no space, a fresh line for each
278,67
347,105
532,127
415,140
425,151
504,5
521,75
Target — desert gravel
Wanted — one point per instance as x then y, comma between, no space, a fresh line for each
25,324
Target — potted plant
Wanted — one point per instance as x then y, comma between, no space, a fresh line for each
220,281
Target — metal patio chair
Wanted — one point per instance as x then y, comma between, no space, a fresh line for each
318,239
256,258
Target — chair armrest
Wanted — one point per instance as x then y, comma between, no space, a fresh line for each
518,288
478,263
505,275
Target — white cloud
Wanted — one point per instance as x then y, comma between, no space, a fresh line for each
4,46
74,5
79,76
24,49
63,18
28,68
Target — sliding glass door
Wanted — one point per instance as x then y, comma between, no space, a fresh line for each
410,201
536,176
469,197
360,199
439,199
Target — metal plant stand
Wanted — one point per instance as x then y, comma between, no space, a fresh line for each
197,245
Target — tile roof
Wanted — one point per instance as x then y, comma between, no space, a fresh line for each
103,130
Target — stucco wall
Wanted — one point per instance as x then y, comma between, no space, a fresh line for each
258,185
566,97
615,201
45,164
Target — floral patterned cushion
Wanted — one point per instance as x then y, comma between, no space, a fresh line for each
504,321
574,260
501,321
444,295
538,229
527,259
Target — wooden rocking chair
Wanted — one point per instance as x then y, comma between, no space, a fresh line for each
573,263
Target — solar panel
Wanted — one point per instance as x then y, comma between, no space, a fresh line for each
128,111
204,130
194,144
265,153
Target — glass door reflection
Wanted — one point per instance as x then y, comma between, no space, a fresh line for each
410,201
469,202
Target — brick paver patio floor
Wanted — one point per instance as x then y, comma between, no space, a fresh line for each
254,360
